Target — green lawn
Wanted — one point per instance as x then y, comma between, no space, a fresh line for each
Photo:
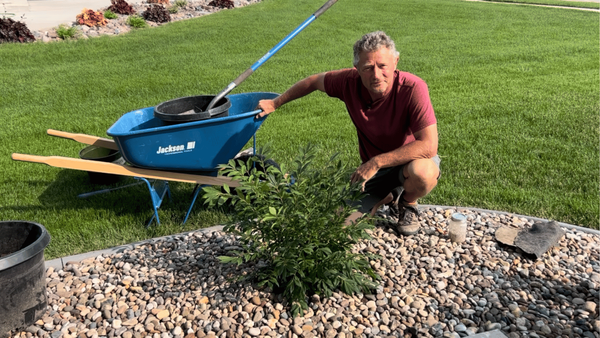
515,90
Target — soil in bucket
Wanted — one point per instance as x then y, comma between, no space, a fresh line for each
104,155
23,296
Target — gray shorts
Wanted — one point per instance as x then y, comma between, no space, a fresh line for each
387,180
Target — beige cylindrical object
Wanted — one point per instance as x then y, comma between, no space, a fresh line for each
457,229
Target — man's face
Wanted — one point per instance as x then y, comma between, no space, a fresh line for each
376,70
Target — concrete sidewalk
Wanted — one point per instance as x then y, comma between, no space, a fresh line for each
541,5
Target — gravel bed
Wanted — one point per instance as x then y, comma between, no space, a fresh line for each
430,287
193,9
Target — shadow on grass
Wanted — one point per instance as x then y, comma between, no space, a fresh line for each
130,197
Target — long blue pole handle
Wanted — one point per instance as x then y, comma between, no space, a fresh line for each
283,42
270,53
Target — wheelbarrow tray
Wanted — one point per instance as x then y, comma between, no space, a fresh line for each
148,142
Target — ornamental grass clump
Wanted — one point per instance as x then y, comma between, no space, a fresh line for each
294,227
65,32
136,21
181,3
110,15
178,4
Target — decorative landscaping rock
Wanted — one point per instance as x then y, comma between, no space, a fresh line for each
430,287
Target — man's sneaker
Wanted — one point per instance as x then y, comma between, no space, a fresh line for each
388,215
393,209
408,220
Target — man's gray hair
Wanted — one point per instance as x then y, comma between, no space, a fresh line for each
372,42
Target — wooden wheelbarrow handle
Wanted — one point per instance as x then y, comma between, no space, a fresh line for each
85,139
111,168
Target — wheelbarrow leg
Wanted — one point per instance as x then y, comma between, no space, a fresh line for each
158,190
195,195
89,194
199,187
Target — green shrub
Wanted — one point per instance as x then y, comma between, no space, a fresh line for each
173,9
110,15
294,227
65,32
136,21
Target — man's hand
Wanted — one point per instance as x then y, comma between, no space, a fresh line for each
298,90
267,106
364,173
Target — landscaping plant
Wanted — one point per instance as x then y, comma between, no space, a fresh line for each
157,13
136,21
121,7
14,31
65,32
221,3
294,226
178,4
91,18
110,14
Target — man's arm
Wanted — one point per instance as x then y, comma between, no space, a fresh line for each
298,90
425,146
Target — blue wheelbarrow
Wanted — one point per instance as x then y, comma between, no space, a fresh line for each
159,151
146,141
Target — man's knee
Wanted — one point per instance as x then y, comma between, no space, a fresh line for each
423,171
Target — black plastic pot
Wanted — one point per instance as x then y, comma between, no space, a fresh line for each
104,155
22,274
191,108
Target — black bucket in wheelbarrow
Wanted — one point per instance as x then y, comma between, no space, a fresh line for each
22,274
104,155
191,108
